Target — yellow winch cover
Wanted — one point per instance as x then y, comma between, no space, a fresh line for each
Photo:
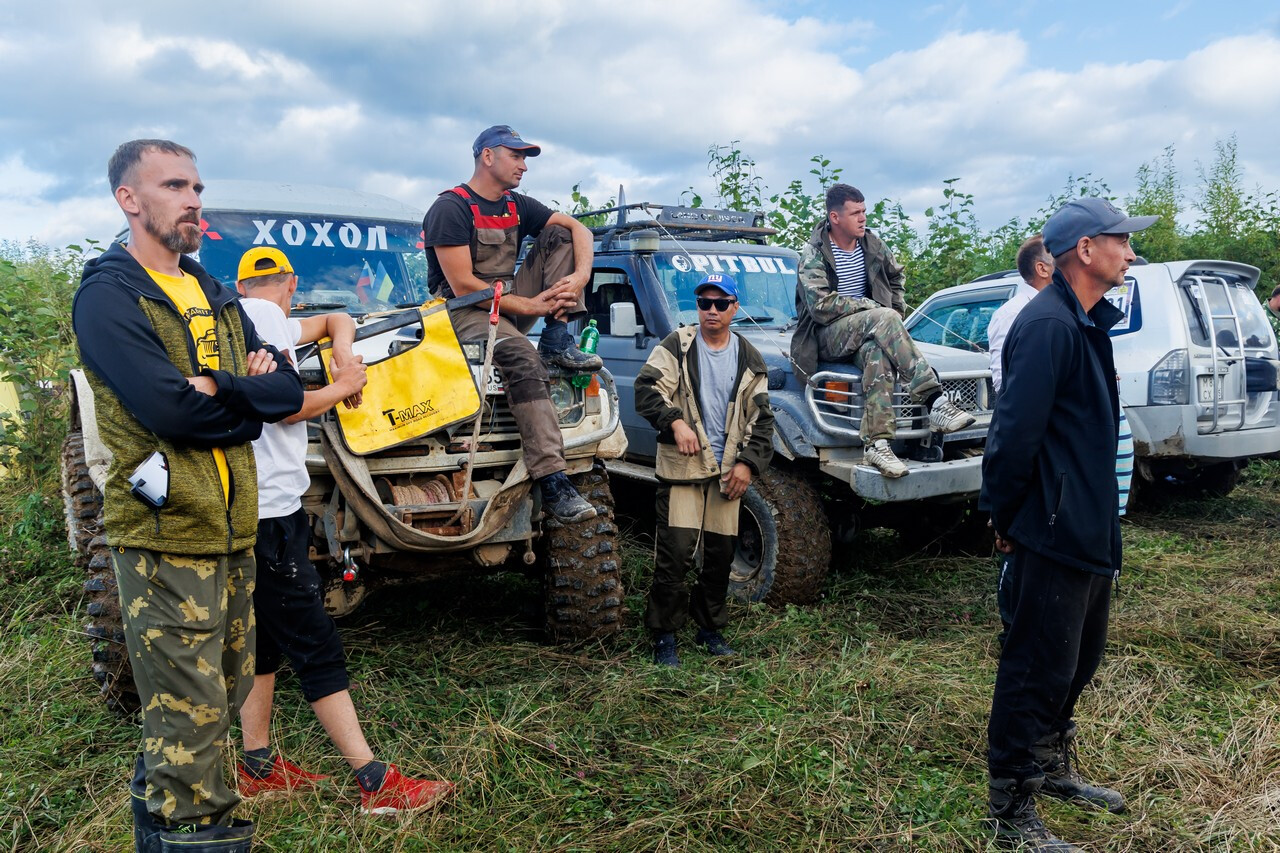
411,393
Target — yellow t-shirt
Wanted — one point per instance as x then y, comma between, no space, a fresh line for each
190,300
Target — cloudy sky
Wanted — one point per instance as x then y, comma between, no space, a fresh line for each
1012,96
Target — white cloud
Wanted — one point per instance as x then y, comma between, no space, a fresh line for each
387,97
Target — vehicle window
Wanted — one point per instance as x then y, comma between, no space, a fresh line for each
1197,321
353,265
1253,318
766,284
607,287
957,325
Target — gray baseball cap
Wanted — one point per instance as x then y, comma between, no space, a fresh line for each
1088,217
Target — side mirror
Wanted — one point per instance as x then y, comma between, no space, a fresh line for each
622,320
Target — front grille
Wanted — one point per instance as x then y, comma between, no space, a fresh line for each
840,411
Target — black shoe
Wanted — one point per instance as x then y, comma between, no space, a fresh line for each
561,499
571,358
713,642
146,832
1011,810
1055,755
237,838
664,650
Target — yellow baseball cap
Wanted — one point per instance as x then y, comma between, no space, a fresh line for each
262,260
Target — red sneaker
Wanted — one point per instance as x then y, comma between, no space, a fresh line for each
285,778
402,794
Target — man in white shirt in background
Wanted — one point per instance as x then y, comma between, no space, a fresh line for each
1035,265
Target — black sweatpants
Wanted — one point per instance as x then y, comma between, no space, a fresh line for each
290,610
1054,647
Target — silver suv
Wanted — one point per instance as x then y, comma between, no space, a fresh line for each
1196,356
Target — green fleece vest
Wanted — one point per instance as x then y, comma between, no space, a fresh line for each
195,520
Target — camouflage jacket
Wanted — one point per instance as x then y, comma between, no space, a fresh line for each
819,304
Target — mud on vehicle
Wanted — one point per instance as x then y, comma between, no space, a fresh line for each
817,490
399,513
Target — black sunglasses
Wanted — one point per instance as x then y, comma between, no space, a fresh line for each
705,303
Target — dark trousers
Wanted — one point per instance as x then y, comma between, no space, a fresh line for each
525,377
290,610
689,515
1054,647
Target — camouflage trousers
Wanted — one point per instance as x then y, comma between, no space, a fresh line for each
189,628
877,342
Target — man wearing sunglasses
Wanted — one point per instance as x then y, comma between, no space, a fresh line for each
704,388
850,305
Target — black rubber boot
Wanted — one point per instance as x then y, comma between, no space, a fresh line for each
146,832
555,346
237,838
571,358
1055,755
1011,810
664,650
562,501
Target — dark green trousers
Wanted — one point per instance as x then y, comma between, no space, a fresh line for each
689,516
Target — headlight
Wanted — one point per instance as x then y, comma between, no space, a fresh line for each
567,401
474,351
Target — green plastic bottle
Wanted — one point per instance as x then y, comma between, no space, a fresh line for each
590,339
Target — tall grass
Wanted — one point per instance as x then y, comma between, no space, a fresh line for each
858,724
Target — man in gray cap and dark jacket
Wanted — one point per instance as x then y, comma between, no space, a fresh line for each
1049,481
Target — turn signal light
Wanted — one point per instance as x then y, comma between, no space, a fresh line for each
837,392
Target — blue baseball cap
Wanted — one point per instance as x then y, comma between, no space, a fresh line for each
720,280
1088,217
502,134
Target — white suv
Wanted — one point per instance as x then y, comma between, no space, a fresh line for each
1196,356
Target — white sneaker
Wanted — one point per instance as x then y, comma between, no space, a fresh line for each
946,416
880,455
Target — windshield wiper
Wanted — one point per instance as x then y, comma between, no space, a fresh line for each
310,306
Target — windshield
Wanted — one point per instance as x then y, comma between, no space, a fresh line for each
960,325
766,283
354,265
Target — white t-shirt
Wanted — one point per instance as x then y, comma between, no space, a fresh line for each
998,328
281,451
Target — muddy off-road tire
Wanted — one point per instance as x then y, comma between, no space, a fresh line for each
583,581
88,541
784,542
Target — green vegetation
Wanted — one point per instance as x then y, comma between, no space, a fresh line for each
857,724
1227,220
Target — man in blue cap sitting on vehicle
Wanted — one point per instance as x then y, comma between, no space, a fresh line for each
1049,479
472,236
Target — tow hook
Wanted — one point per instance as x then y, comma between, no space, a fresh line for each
349,568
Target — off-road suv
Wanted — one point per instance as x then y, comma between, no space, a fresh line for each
399,513
648,258
1195,354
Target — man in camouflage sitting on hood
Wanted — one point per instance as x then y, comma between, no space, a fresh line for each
850,306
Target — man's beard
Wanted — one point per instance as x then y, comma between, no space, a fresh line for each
176,239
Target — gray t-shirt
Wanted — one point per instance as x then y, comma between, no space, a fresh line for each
716,372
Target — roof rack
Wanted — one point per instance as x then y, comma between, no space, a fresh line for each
690,223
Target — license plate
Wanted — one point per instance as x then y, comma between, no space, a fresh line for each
1209,390
494,385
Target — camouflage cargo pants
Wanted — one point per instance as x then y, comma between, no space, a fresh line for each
189,629
877,342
